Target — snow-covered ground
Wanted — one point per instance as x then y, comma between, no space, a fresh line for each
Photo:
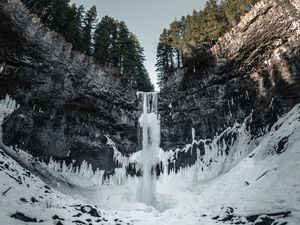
266,181
27,197
263,179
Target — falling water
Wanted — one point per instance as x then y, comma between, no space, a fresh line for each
150,128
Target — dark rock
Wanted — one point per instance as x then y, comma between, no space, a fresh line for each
94,213
90,210
34,200
264,220
78,222
282,145
77,215
282,214
22,217
59,223
65,97
23,200
28,174
229,210
256,67
226,218
276,222
56,217
216,217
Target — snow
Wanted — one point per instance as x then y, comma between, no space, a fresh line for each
258,176
183,200
39,201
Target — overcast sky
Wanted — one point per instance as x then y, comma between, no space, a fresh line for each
146,19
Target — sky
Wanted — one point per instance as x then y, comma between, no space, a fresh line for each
146,19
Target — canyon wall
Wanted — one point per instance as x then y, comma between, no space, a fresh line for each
256,68
68,103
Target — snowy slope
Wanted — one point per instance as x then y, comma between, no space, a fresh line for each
25,197
267,181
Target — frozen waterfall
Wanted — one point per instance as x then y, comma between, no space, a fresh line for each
149,124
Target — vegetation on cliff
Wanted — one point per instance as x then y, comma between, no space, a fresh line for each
186,41
109,41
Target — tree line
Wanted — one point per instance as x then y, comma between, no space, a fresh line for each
108,40
186,41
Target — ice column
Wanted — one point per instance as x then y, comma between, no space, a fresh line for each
150,127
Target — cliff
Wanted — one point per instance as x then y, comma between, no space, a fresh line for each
68,103
255,69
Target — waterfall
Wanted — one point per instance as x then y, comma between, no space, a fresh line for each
149,124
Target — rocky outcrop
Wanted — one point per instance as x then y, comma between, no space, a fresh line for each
68,103
256,68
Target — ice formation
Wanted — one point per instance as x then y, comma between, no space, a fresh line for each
7,107
213,157
2,67
150,125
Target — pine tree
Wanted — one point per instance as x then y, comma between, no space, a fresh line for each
73,31
104,39
161,65
56,15
176,33
216,21
189,39
234,9
78,39
126,50
116,45
89,21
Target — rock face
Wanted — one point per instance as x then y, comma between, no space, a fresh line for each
256,66
68,103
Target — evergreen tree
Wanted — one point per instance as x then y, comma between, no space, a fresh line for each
111,43
139,72
161,65
234,9
89,21
189,39
73,29
78,42
56,15
176,33
105,39
114,44
216,21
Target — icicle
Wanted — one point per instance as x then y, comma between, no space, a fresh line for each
2,67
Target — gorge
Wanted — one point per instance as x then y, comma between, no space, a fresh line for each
216,145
